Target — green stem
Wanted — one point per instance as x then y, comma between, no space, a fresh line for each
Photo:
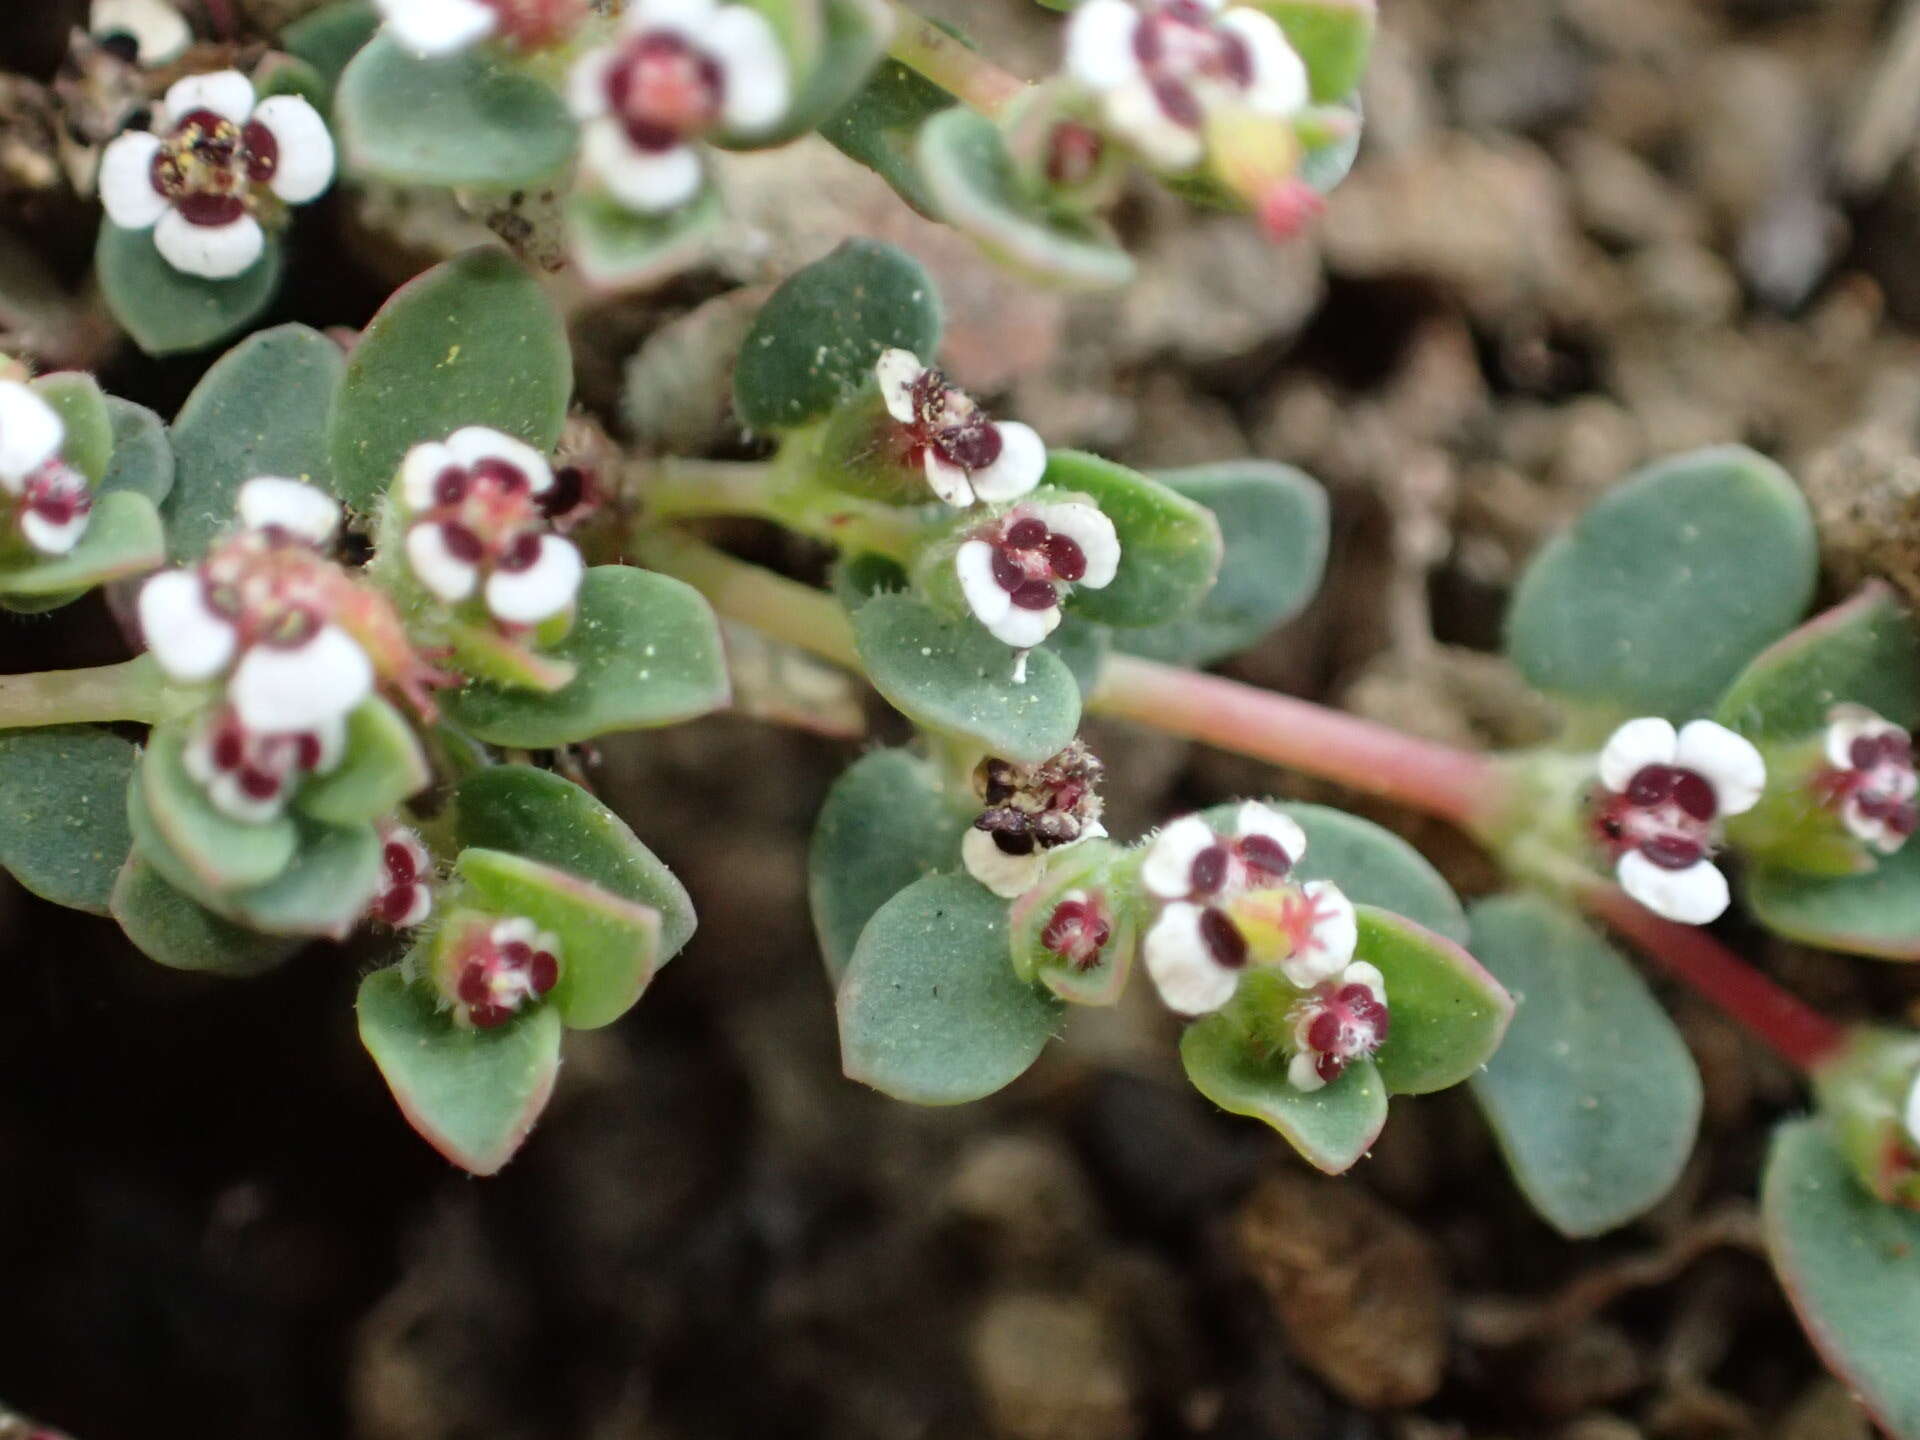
797,614
688,489
132,690
931,52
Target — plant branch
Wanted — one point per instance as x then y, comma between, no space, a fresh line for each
679,489
1455,785
1794,1030
797,614
132,690
933,53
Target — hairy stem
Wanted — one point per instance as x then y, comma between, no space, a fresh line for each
688,489
925,48
797,614
1455,785
1794,1030
132,690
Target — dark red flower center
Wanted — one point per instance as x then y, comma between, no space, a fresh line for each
1181,47
1347,1022
664,91
208,166
1031,561
497,980
1666,813
1077,931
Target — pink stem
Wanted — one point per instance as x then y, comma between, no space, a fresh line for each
1455,785
1794,1030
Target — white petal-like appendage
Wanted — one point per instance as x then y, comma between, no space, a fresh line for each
420,470
1022,461
1692,896
688,17
160,33
474,443
331,737
543,589
126,181
306,161
1167,870
31,433
1008,876
1100,53
1189,979
517,930
587,83
437,567
291,505
230,798
227,93
949,482
1253,818
1911,1113
1022,629
756,86
1133,111
973,563
1361,973
898,371
1303,1072
649,181
419,907
1728,761
1634,746
1279,74
1329,946
188,640
213,252
301,687
1092,532
429,28
53,537
1846,724
1870,829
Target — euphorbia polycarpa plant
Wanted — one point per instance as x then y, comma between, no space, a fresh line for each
374,578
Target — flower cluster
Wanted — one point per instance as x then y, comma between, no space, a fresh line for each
214,174
45,500
431,28
1658,816
1078,929
250,774
1869,777
681,70
493,969
1339,1021
1032,813
966,455
405,898
479,509
1164,69
1014,569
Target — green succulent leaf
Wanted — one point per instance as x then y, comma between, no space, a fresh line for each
331,36
1325,165
1661,593
218,852
1877,913
1331,1127
1865,651
63,812
1448,1013
382,764
82,407
1170,546
972,181
815,341
880,126
950,675
620,249
123,537
482,652
167,312
472,342
645,650
142,462
609,946
1593,1096
1851,1266
535,813
931,1010
462,120
1334,37
1273,519
182,934
471,1094
262,409
885,824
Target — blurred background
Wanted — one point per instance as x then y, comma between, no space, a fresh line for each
1582,234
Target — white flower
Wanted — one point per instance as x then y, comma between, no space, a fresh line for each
681,69
1343,1020
497,970
1033,812
1187,860
219,156
966,455
1666,795
1162,67
478,524
431,28
1012,572
406,895
250,774
1871,781
1911,1114
48,499
259,606
158,32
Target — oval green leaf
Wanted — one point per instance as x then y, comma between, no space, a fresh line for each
1448,1013
383,764
142,461
1593,1097
1333,37
123,537
1877,913
167,312
1170,546
853,40
331,36
63,812
1661,593
930,1008
1866,652
616,248
182,934
880,125
1331,1127
82,407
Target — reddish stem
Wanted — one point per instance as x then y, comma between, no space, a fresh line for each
1794,1030
1455,785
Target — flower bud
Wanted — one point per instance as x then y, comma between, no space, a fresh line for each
1870,1095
